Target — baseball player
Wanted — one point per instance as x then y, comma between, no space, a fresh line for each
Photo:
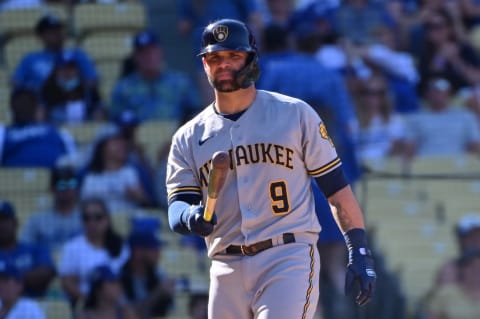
262,239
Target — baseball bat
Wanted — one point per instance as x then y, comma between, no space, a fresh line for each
216,179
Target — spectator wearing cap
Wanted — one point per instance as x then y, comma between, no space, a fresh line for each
146,286
105,299
441,129
153,91
62,221
35,67
29,142
12,304
327,93
32,260
66,95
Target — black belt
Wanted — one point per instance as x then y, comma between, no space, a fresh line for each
257,247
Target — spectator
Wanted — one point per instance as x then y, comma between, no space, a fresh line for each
278,12
13,305
399,67
461,299
98,245
302,76
105,299
355,20
66,95
381,131
128,123
441,129
33,261
152,91
446,55
28,142
35,67
147,288
275,46
61,222
467,234
110,176
198,305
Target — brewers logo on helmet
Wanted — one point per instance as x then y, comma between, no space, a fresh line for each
220,33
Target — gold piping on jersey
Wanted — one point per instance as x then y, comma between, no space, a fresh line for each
310,282
325,167
186,189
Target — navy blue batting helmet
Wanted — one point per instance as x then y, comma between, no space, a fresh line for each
227,34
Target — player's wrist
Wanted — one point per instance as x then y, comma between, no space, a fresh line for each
356,241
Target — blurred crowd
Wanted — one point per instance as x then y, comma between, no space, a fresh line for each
391,79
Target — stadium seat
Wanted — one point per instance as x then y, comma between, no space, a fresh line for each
17,47
29,180
474,35
23,21
464,164
108,46
4,98
155,134
91,17
56,309
84,133
109,71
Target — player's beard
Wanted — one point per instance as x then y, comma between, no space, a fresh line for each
225,85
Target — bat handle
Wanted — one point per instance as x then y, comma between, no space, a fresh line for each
209,209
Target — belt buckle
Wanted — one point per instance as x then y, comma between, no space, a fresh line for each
246,250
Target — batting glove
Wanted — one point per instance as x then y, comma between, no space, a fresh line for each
360,266
197,225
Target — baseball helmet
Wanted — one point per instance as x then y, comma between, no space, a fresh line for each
230,34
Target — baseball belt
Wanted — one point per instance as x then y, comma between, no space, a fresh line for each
257,247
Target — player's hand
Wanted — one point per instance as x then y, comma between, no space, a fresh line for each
360,269
197,225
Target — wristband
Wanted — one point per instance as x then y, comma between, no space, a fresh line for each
356,240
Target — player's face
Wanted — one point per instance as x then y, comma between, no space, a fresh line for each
221,68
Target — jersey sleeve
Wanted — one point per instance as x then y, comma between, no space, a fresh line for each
320,155
181,179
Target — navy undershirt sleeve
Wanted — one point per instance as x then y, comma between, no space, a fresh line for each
332,182
178,210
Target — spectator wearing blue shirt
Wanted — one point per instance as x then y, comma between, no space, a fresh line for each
28,142
35,67
153,92
302,76
33,261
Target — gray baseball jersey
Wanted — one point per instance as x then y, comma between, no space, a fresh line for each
275,148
